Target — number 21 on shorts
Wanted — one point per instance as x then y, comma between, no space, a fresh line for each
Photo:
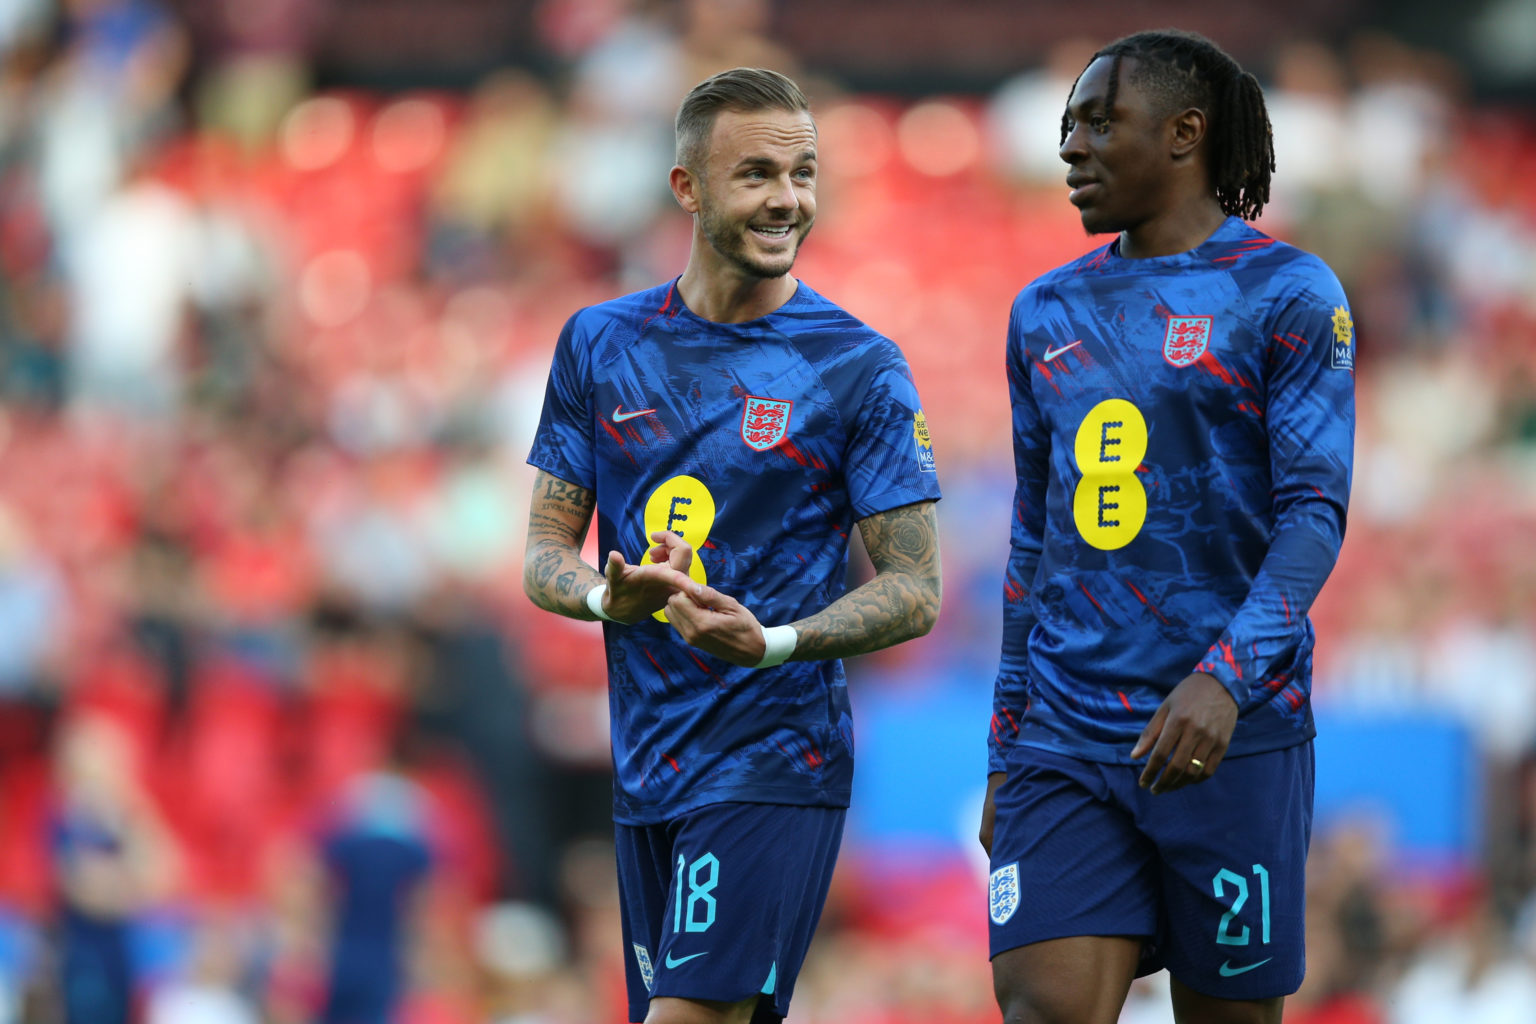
1229,884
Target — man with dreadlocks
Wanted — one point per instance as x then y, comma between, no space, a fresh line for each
1182,428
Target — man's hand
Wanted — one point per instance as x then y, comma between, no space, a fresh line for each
989,810
716,623
635,591
1188,734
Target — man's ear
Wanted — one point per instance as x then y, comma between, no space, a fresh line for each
685,188
1187,131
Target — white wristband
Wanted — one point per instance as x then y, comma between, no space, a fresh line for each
778,643
595,602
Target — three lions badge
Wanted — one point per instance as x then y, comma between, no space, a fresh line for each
1003,893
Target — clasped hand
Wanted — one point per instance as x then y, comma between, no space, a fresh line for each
709,620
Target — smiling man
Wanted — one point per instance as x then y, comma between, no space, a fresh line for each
1183,417
728,429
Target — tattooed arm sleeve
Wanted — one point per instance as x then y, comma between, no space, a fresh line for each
554,576
899,603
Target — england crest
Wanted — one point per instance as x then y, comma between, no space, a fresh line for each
643,958
765,422
1186,339
1003,893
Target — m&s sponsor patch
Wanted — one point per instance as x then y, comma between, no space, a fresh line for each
1343,339
923,443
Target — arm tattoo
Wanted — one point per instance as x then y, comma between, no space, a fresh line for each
554,576
558,492
543,566
901,602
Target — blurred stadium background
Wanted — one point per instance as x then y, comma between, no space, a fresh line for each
279,284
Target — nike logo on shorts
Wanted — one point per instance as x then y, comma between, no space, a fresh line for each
1052,353
620,417
684,959
1227,970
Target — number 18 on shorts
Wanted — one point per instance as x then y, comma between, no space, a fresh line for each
720,903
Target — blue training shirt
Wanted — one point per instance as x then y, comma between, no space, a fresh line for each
1183,429
761,444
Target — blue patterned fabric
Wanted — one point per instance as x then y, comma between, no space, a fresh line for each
762,444
1183,430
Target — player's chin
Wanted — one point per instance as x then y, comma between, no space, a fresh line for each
1096,219
1095,222
772,265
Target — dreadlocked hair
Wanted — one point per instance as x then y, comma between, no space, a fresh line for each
1183,69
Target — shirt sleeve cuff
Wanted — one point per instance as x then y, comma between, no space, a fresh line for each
1220,664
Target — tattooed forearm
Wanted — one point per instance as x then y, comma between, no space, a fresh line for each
554,576
557,580
543,566
866,619
544,524
558,492
900,603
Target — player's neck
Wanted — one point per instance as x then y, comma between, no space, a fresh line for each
1177,230
725,297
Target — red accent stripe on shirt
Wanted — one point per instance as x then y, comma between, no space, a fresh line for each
1090,596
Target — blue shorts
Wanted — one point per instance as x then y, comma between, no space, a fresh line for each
1211,875
721,902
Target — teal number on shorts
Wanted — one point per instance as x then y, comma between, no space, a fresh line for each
699,893
1258,869
1224,936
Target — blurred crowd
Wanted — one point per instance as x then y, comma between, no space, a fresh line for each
280,738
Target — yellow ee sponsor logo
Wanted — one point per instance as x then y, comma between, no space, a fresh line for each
1110,504
684,506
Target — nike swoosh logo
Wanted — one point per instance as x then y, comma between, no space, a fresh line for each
1228,971
692,956
620,417
1052,353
